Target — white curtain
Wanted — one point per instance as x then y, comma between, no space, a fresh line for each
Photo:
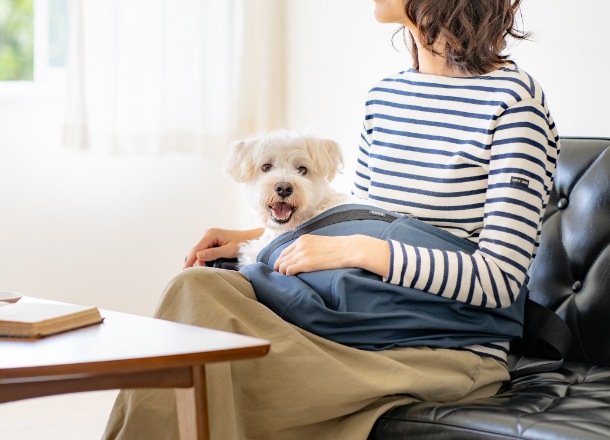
148,76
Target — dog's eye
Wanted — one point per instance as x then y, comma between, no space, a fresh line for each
266,167
302,170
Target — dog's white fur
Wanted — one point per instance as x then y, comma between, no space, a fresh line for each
303,162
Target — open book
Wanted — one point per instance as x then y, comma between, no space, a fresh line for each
38,319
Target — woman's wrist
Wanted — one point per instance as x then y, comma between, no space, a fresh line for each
371,254
252,234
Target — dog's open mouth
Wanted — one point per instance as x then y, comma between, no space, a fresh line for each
281,212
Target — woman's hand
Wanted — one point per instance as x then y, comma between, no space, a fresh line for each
311,253
219,243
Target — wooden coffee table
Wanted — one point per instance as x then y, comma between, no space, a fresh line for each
125,351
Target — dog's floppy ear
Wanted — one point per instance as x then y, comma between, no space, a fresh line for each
326,155
240,162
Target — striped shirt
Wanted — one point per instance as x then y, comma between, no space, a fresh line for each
474,156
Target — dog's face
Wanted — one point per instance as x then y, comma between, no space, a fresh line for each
286,175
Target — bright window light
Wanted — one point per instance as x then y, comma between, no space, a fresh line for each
33,39
16,40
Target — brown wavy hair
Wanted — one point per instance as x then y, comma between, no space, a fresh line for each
474,32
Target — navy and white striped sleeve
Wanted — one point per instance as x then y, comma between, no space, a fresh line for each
362,178
521,167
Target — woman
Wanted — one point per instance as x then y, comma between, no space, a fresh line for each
463,141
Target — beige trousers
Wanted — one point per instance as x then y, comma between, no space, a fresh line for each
306,387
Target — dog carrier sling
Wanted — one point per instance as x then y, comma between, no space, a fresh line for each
357,308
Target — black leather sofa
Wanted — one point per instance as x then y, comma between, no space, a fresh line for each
570,275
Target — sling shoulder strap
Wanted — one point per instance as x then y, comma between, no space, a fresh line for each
331,219
544,345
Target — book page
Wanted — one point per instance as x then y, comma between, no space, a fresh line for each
9,297
36,312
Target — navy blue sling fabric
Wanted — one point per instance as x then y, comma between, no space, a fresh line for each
356,308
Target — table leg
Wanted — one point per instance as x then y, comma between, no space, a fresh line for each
193,408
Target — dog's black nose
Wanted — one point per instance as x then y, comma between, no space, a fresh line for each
283,189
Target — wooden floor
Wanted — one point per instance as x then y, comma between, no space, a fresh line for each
79,416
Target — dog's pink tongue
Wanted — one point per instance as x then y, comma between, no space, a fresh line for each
282,210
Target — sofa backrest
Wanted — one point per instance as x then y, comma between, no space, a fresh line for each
571,273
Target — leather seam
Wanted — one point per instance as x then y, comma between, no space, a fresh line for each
564,251
455,427
599,254
578,177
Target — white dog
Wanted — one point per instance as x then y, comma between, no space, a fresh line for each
287,179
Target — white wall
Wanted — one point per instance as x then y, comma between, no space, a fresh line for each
336,53
112,231
568,55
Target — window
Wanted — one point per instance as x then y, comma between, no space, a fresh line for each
33,39
16,40
58,33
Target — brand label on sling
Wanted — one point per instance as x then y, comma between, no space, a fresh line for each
519,181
